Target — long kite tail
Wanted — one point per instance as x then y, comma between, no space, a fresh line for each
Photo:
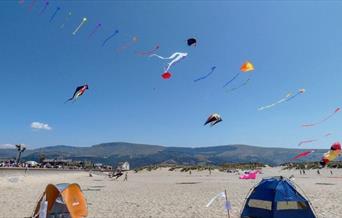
164,58
275,103
208,74
323,120
293,96
241,85
70,99
94,30
227,83
54,14
44,8
306,141
109,37
127,44
80,25
155,55
144,53
66,19
33,2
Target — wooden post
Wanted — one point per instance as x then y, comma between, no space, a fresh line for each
225,192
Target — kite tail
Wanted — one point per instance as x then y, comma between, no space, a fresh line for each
143,53
70,99
293,96
155,55
323,120
54,14
276,103
109,37
227,83
241,85
203,77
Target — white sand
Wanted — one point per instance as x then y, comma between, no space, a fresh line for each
157,194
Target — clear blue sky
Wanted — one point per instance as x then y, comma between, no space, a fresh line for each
292,45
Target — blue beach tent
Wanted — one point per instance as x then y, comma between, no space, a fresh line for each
276,197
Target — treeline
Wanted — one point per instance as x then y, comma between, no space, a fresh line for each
187,168
311,165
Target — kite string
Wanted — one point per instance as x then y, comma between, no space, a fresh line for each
144,53
231,80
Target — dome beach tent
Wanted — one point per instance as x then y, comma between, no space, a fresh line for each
276,197
63,201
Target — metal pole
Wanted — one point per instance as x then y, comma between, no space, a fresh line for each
225,192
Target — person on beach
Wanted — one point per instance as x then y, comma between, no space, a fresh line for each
126,175
318,172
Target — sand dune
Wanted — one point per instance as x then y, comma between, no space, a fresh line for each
161,193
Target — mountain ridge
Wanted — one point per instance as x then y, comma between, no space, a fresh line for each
144,154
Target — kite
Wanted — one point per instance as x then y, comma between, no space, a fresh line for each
227,204
323,120
303,154
128,44
288,97
306,141
166,75
246,67
66,19
328,134
335,151
109,37
45,6
146,53
79,26
191,42
78,92
213,119
21,2
177,56
33,2
250,175
54,14
95,30
208,74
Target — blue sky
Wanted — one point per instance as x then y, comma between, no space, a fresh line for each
292,45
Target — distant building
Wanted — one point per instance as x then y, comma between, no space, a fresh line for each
31,163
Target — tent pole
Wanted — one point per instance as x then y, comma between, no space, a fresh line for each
225,192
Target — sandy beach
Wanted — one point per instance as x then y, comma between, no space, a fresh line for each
161,193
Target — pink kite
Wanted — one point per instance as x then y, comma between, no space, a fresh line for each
303,154
250,175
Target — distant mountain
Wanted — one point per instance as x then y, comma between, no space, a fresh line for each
141,154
